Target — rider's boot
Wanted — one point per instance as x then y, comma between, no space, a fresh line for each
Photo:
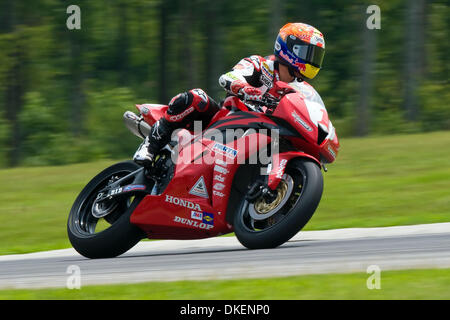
183,109
159,136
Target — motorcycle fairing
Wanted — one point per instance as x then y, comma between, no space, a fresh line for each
178,214
177,211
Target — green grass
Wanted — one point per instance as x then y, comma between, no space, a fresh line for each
410,284
385,181
35,203
376,181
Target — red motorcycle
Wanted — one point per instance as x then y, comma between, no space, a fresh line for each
216,188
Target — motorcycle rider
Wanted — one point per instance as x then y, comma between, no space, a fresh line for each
298,54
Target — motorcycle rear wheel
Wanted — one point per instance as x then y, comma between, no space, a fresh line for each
82,226
301,190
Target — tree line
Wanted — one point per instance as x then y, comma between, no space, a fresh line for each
63,91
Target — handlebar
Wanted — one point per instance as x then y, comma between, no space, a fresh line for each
270,103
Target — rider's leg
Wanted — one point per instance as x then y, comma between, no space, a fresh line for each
183,110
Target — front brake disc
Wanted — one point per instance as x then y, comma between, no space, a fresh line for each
261,210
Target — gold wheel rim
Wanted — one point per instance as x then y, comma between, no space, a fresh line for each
262,207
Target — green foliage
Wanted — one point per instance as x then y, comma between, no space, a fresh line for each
435,92
393,122
4,135
436,110
44,140
39,132
104,123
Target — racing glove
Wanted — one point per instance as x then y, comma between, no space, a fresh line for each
249,93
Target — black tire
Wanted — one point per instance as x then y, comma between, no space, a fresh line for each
291,217
120,236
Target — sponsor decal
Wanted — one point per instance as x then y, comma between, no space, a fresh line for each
133,187
305,37
219,177
145,110
219,186
181,115
182,203
225,150
220,169
231,76
277,46
333,153
281,167
298,119
195,224
221,162
317,40
286,57
199,188
208,218
266,81
197,215
219,194
300,66
115,191
266,70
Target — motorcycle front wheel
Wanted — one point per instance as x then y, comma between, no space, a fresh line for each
260,224
103,230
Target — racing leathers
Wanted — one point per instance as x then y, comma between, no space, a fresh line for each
251,79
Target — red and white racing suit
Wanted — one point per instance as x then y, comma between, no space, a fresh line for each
252,72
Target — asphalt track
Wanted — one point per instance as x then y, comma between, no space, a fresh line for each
309,252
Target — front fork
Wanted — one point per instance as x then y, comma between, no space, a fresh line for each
279,164
114,189
260,189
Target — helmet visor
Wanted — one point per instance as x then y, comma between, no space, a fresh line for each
309,53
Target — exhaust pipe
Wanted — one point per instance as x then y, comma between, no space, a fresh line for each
136,124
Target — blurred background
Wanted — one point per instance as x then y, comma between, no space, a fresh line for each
63,92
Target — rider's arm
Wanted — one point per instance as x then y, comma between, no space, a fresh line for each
244,76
